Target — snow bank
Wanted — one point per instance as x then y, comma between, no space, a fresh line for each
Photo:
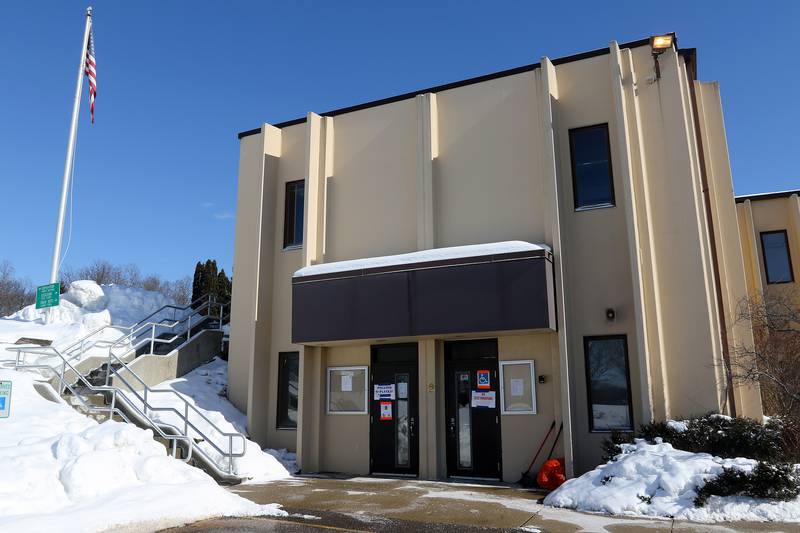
94,305
656,480
205,388
61,471
86,306
435,254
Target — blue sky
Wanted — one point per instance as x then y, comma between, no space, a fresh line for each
156,174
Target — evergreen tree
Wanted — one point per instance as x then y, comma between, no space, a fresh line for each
211,274
224,287
198,281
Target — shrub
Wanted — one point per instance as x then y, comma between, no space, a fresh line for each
719,435
777,481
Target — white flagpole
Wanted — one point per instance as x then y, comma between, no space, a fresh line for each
73,132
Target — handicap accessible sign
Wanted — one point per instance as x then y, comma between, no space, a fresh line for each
5,398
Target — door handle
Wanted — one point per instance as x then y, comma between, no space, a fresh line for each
452,426
412,426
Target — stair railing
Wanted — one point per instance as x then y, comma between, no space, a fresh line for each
140,334
114,392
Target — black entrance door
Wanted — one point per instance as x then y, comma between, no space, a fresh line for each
394,443
472,409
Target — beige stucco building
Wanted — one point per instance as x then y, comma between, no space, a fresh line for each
423,284
769,225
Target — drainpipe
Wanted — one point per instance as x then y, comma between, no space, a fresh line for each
691,74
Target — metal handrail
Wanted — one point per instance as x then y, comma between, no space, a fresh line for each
113,391
142,325
80,342
115,365
116,392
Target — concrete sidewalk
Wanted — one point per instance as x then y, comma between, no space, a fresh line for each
376,504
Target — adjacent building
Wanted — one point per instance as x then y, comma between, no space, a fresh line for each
769,226
423,284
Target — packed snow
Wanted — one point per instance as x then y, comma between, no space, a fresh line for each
435,254
84,307
62,471
656,480
205,388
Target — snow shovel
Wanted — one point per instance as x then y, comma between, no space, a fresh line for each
528,479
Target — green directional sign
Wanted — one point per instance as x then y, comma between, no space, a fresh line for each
48,295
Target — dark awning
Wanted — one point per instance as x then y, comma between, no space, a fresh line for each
497,291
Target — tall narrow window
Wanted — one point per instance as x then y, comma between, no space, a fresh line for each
288,382
608,383
592,180
777,261
293,213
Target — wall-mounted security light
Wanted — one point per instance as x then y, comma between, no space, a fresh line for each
611,314
658,45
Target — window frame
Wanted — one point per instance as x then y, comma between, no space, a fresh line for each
283,401
788,256
289,207
331,369
613,202
589,412
532,367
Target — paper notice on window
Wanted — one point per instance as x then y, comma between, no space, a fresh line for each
517,387
347,382
384,392
483,399
402,390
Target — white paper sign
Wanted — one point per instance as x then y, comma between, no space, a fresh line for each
517,387
402,390
483,399
384,392
347,382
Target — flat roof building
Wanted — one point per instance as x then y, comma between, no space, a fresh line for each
423,284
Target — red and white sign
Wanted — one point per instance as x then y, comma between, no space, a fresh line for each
386,410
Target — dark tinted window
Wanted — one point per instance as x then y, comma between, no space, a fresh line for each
608,381
288,382
777,262
591,166
293,214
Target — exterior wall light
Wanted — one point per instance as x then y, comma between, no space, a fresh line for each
658,45
611,314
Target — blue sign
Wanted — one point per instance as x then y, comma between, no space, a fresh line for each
5,398
484,379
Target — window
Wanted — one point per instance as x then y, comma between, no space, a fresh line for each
517,387
608,383
293,214
777,262
288,383
347,390
592,180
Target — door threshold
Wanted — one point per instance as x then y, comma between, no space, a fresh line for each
474,478
386,474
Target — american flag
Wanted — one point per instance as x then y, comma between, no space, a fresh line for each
91,72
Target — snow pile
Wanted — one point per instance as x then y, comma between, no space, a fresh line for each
205,388
94,305
61,471
85,307
434,254
658,480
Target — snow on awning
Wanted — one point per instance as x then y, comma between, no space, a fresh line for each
415,259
